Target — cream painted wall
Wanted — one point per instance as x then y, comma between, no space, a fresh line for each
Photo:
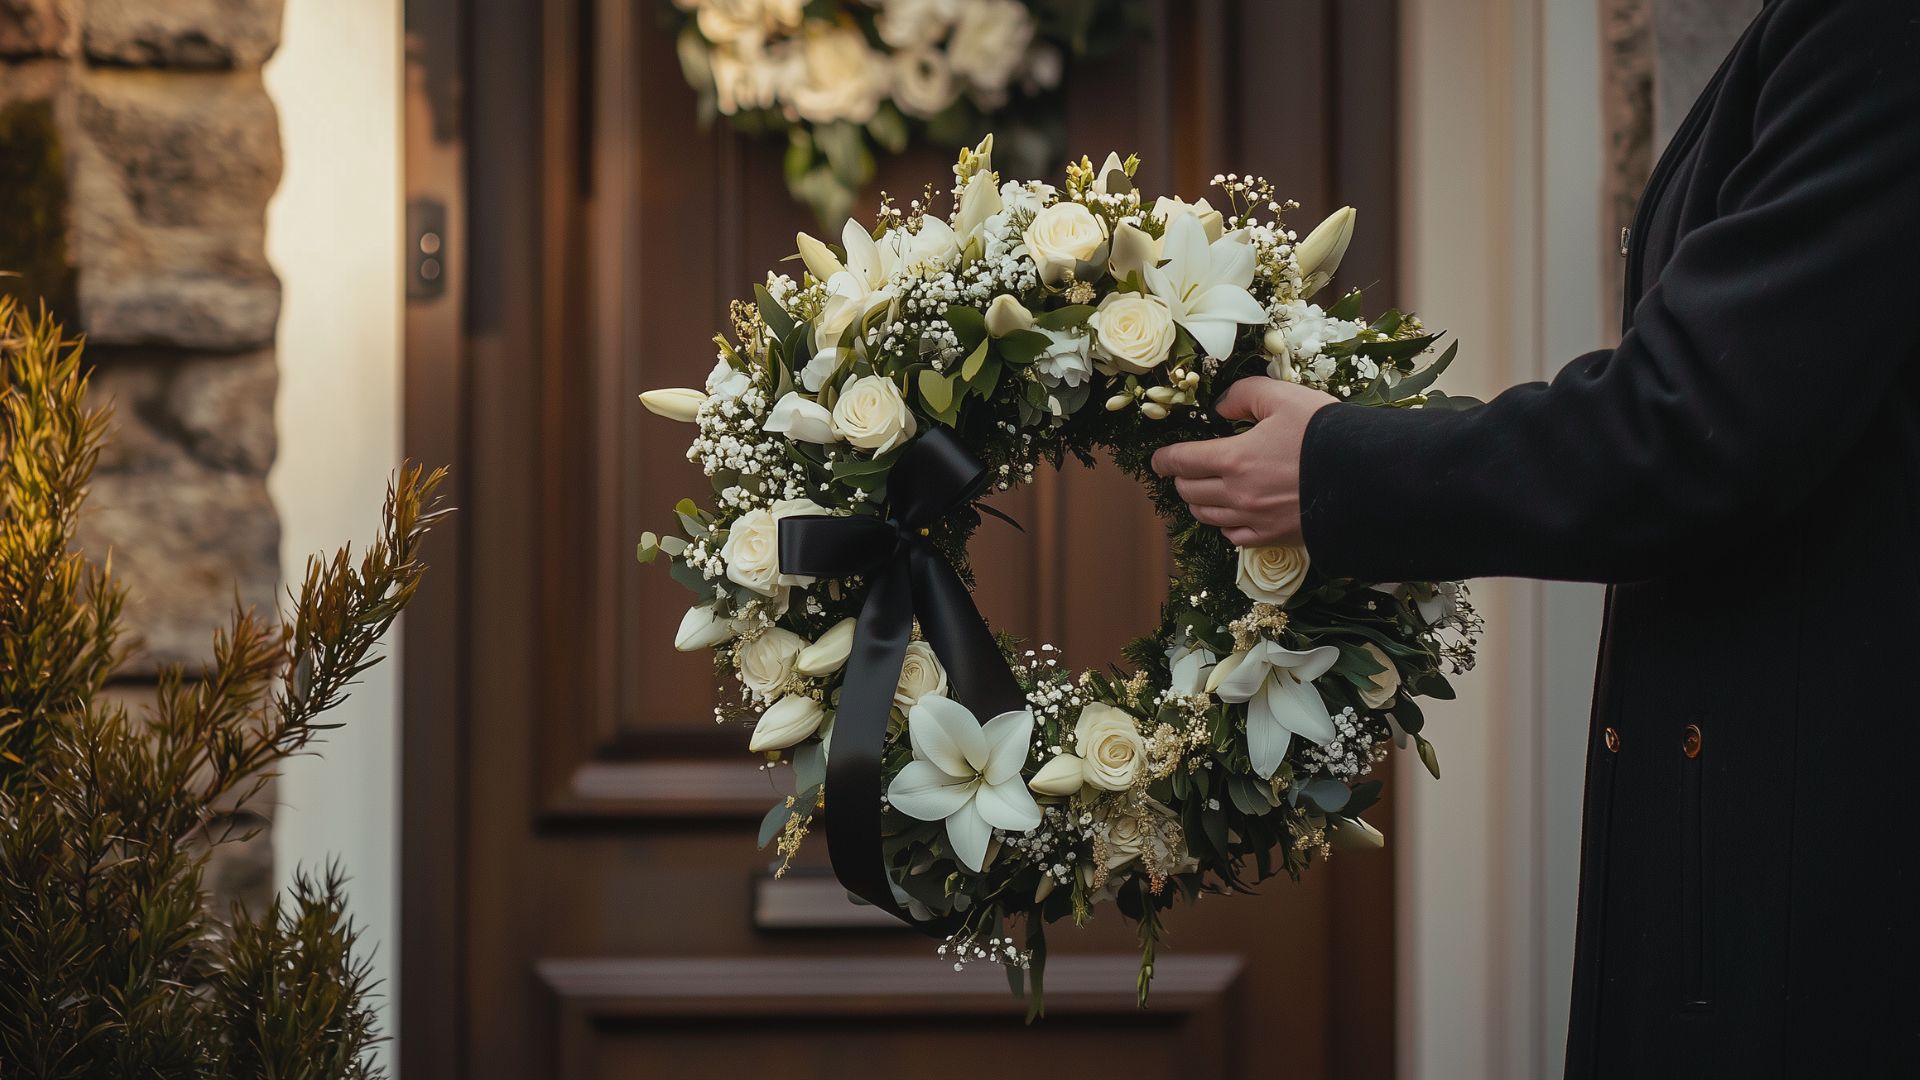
1504,245
333,233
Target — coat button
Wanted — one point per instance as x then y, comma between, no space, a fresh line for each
1612,738
1690,742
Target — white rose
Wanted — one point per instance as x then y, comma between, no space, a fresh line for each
752,552
1133,331
1271,575
905,24
1109,742
766,661
872,415
745,76
786,722
838,76
1141,834
1063,236
800,419
923,82
1385,684
752,548
990,42
721,21
920,675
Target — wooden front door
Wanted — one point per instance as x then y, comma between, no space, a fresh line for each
582,894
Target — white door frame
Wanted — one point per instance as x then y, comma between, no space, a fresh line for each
1503,243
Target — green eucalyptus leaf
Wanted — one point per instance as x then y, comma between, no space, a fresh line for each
936,390
1064,318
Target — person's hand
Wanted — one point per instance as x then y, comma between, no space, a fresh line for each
1248,485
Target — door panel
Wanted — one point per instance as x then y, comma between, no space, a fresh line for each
583,897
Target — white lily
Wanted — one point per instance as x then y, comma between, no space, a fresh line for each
1205,284
934,247
862,284
678,403
966,774
1277,686
801,419
825,656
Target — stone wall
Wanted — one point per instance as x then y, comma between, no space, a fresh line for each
138,149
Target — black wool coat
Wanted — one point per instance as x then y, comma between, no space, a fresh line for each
1744,470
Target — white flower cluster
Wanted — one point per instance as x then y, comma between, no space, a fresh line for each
1351,754
820,67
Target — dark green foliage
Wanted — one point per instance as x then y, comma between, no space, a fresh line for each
110,964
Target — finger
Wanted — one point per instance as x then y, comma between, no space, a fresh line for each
1206,457
1243,536
1250,399
1204,490
1220,517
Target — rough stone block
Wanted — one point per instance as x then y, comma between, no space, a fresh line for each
172,174
35,28
182,33
180,498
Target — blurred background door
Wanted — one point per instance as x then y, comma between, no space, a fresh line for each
581,892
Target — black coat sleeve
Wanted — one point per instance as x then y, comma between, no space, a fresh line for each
1755,363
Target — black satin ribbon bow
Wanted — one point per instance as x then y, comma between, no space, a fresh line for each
906,578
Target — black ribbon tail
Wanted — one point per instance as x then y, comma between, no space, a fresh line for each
906,578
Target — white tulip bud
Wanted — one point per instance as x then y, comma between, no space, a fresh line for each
1320,253
1044,889
677,404
1153,410
1118,402
1062,776
703,628
1353,834
1007,314
1162,394
825,656
819,258
786,722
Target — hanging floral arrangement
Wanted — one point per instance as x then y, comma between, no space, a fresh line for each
846,79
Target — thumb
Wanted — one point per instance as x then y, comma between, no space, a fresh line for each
1249,399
